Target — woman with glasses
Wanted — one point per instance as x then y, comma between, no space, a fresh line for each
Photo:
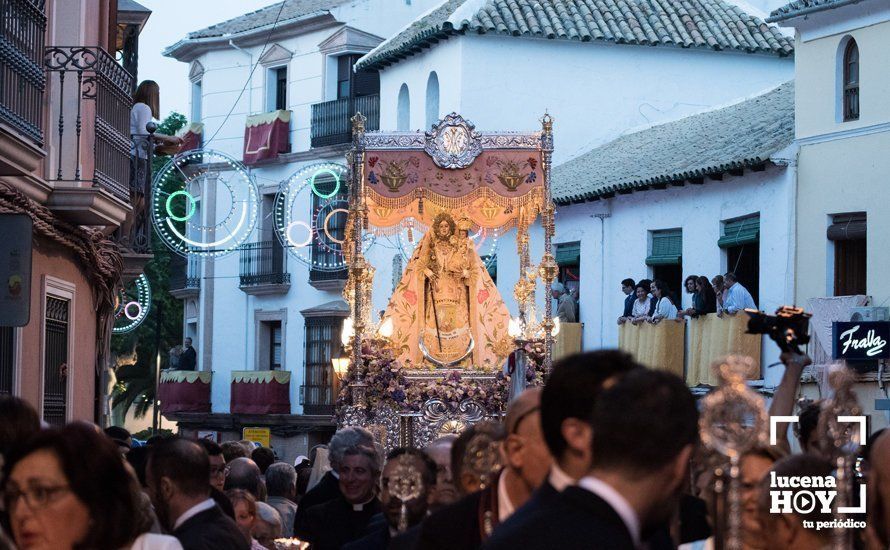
68,488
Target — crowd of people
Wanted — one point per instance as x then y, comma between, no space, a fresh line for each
606,455
650,301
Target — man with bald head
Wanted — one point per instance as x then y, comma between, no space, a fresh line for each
468,522
245,474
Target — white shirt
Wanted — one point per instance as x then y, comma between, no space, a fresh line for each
152,541
666,309
505,506
641,309
618,503
140,115
194,511
559,479
736,298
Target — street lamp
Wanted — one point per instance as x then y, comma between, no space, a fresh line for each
341,364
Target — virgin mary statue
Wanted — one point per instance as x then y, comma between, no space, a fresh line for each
446,310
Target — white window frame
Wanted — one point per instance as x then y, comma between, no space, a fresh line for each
260,350
63,290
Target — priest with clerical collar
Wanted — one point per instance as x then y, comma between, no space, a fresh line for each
344,519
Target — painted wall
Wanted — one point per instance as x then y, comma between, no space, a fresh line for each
227,70
51,259
594,91
818,74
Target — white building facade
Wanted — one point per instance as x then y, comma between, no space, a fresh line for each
476,58
843,132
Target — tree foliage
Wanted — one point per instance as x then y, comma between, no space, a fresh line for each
162,328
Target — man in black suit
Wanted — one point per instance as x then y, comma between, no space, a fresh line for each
178,477
188,360
645,427
566,405
467,523
328,487
627,287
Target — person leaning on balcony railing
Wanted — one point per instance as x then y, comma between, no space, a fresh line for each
735,296
704,300
642,305
627,287
146,107
665,307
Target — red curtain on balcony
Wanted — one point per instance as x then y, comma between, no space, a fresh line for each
193,137
260,392
266,135
184,391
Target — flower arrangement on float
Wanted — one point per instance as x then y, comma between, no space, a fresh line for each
390,383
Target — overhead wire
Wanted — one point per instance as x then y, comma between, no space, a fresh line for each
249,76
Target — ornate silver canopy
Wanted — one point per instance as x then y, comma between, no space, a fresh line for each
454,142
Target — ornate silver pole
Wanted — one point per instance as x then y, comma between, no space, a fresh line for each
548,269
841,439
733,420
358,266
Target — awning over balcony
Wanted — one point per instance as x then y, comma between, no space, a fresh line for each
260,392
193,137
266,135
184,391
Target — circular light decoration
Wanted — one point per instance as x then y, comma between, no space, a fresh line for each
191,177
310,215
132,305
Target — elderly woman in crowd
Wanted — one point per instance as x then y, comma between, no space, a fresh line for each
68,488
664,307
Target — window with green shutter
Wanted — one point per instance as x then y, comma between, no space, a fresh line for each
568,254
666,248
740,232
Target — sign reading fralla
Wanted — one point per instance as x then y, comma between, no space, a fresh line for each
860,340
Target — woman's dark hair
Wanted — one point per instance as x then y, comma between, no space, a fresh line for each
96,474
693,278
20,421
707,290
665,290
149,93
644,286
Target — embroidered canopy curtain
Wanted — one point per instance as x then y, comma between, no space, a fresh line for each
266,135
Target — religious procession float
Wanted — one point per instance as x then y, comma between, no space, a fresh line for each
434,361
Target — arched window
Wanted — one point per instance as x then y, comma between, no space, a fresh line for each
432,100
403,114
851,81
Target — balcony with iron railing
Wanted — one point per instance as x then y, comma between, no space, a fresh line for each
317,399
331,119
22,84
89,131
185,277
263,268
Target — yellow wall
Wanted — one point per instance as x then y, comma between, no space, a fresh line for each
817,79
846,175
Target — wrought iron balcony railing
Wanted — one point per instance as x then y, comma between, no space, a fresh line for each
263,263
330,120
91,109
185,273
317,399
22,82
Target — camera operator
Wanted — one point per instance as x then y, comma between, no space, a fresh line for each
786,393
